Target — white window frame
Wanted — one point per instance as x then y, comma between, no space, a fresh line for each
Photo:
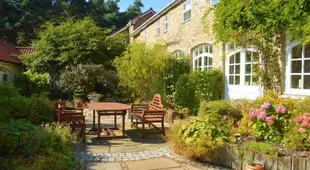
184,11
203,52
145,35
166,23
288,88
158,28
211,3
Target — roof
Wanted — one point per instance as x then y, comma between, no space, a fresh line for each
133,21
8,52
172,4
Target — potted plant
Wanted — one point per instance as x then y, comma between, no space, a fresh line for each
93,97
253,166
78,94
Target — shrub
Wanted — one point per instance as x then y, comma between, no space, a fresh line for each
33,84
220,107
260,148
13,106
199,139
198,86
26,146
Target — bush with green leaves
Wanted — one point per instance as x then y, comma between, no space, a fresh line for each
33,109
33,84
26,146
220,107
200,138
195,87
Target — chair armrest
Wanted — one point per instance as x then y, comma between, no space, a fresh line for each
139,108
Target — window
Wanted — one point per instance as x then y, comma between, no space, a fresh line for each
166,23
234,69
300,67
251,61
214,2
202,57
158,28
178,53
144,35
187,10
5,77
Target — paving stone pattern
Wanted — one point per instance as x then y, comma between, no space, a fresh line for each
142,155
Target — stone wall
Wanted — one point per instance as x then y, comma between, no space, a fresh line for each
184,36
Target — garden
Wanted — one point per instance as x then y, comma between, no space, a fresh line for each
75,58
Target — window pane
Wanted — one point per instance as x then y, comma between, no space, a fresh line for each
248,56
307,66
296,81
296,66
248,69
206,49
231,79
210,61
237,69
196,63
5,77
307,82
196,52
296,51
307,51
210,48
200,49
237,80
231,60
200,61
206,61
238,58
248,80
231,69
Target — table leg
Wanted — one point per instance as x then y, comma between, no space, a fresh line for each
123,127
99,128
115,120
94,119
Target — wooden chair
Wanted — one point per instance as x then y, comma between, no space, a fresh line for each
73,117
150,113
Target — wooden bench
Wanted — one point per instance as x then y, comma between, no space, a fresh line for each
73,117
150,113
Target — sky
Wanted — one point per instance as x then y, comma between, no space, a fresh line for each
155,4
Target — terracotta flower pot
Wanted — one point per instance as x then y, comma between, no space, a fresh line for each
254,166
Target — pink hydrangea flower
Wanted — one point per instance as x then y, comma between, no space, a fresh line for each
298,119
306,114
225,117
280,109
252,114
269,120
261,115
304,123
266,106
301,130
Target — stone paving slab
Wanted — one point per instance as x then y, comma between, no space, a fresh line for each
104,166
152,164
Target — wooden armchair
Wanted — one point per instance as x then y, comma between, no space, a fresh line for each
73,117
150,113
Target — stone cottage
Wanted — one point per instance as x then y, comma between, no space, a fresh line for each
180,26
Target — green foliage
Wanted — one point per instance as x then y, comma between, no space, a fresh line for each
263,24
30,84
174,68
84,78
260,148
198,86
221,107
70,43
26,146
141,68
14,106
200,139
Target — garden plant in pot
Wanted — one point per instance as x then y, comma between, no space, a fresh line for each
78,95
94,97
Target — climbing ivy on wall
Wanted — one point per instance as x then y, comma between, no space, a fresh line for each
264,24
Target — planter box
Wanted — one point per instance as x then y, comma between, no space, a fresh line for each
229,157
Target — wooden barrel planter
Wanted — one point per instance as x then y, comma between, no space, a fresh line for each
230,158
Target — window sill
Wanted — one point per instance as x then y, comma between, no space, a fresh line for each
165,32
183,22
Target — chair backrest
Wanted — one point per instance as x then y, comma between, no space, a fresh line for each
57,106
156,104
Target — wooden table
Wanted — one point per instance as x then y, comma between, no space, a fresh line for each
108,109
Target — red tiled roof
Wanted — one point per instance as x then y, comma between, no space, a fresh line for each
8,52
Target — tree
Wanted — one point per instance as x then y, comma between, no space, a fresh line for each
70,43
85,77
141,68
